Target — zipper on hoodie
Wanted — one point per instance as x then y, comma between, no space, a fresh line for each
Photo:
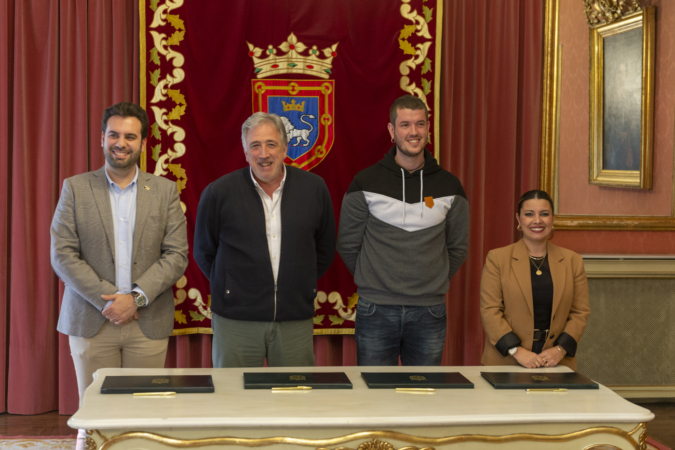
275,301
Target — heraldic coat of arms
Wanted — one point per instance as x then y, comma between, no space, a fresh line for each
305,106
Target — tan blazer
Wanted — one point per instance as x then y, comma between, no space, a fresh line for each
83,252
506,299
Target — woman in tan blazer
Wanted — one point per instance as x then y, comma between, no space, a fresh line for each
533,294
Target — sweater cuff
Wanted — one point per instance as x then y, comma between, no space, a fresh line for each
568,343
509,340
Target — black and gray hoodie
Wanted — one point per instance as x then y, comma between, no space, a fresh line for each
404,235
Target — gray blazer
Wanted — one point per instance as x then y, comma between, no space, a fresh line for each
83,252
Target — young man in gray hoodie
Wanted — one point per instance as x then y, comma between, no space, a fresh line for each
403,235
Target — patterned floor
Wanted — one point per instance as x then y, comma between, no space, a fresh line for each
37,444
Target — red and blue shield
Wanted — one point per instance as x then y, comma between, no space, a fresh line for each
306,108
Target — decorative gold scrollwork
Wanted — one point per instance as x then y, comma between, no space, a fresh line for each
90,443
642,440
601,12
375,444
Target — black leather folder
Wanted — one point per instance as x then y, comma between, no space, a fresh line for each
315,380
436,380
180,384
538,380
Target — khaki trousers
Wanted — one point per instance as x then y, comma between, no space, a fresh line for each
115,346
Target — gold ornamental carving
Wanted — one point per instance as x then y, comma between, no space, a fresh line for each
603,12
90,443
376,439
642,440
376,444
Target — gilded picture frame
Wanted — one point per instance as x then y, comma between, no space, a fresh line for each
548,180
622,102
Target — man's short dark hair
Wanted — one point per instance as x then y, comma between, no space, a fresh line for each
127,109
407,102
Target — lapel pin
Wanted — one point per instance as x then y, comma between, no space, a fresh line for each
147,188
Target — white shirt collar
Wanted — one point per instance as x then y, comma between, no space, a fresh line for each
105,169
255,182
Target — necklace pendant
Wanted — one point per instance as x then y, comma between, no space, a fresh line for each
538,272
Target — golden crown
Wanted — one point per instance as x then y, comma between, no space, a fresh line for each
292,106
292,61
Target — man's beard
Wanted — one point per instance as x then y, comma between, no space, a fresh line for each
401,148
123,165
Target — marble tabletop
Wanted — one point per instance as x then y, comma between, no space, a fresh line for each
231,406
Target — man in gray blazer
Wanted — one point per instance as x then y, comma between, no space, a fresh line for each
119,242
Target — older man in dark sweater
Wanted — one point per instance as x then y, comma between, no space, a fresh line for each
264,235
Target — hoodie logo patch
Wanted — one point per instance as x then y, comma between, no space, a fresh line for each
429,201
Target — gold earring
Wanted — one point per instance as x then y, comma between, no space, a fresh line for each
552,227
518,228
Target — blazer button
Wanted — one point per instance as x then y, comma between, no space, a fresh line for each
315,291
551,336
227,291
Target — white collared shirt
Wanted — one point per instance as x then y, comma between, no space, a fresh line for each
123,208
272,207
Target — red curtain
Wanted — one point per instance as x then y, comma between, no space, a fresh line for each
490,136
6,82
62,62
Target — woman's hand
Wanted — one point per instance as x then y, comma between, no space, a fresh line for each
528,359
552,356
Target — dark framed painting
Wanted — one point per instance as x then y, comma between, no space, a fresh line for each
622,102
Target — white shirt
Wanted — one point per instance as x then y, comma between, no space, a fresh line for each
123,208
272,207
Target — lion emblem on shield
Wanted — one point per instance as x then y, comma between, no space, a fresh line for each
300,134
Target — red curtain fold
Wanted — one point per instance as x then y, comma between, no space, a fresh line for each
71,154
62,62
6,82
490,138
33,347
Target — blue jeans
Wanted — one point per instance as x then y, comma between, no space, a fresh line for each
383,332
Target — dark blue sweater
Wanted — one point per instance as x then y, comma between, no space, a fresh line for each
230,246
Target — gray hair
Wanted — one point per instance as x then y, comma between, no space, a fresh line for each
258,119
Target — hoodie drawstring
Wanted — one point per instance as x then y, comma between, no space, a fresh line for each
403,202
421,194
